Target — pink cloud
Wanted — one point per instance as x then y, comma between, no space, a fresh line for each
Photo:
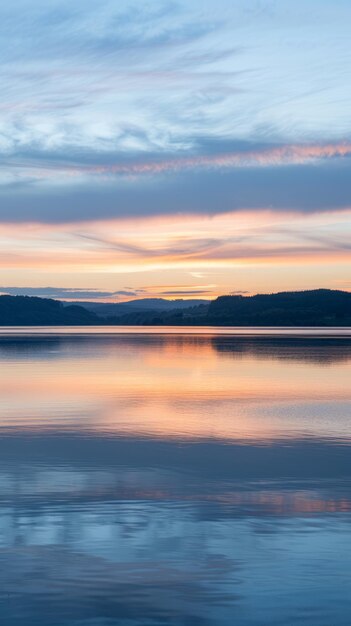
290,154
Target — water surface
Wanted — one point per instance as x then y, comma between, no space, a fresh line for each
175,477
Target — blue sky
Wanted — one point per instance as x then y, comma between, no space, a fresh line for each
141,110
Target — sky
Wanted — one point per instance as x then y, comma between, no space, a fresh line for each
174,148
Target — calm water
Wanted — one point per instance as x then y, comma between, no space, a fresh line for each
175,478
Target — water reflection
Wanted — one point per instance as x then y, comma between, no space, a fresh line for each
183,387
174,479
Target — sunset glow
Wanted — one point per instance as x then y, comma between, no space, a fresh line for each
185,256
176,153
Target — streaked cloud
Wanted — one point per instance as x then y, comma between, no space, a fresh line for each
69,294
270,156
321,185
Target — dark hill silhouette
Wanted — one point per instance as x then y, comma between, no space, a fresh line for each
319,307
29,311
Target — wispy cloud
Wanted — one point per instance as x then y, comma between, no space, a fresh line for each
193,242
63,293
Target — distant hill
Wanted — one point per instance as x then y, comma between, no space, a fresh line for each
320,307
29,311
117,309
150,317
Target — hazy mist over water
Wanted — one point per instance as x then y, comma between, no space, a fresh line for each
175,477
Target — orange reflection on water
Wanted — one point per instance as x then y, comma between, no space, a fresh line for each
179,387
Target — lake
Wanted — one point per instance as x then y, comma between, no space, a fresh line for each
177,477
